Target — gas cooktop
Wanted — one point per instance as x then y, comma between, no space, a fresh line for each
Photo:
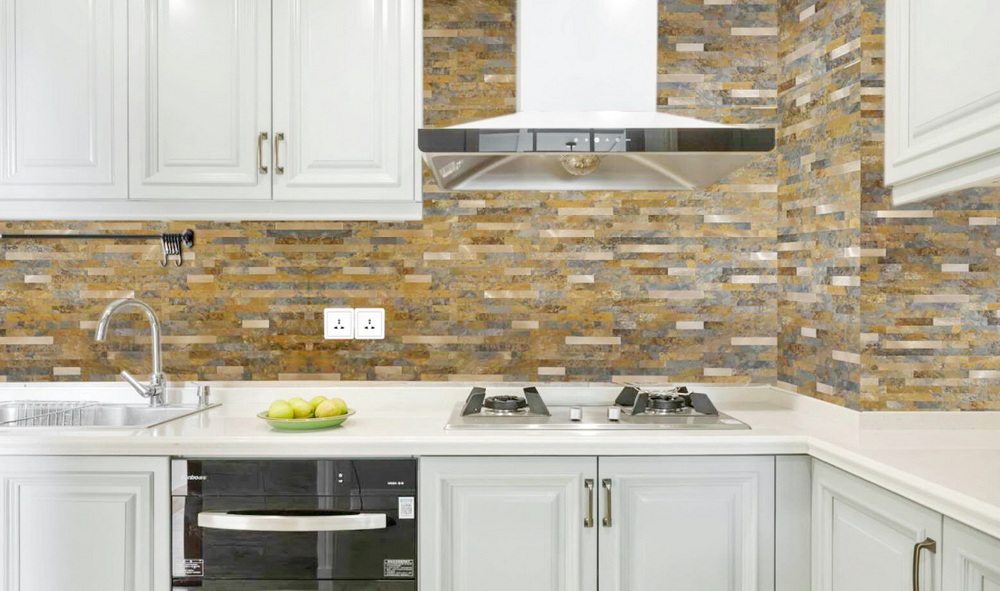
636,407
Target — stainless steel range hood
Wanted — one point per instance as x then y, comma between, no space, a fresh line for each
587,119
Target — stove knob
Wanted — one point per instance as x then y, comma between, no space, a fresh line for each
614,413
575,414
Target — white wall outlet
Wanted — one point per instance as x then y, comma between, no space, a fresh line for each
369,323
338,323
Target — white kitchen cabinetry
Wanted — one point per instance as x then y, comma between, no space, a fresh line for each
687,523
200,81
214,110
344,109
864,537
498,524
683,523
942,101
86,524
63,101
971,559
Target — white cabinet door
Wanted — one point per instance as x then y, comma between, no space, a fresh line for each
942,98
200,93
971,559
687,524
503,524
345,99
63,97
86,524
864,536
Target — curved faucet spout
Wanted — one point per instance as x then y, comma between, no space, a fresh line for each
156,387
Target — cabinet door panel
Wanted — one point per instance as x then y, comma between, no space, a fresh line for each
971,559
688,524
481,515
864,536
87,524
345,99
200,95
942,113
63,96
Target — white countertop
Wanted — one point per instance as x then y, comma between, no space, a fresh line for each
949,462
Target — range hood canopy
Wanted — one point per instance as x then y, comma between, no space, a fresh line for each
587,119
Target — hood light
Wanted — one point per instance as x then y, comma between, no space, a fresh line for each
580,164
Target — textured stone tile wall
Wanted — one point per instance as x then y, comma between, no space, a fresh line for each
930,299
489,286
819,198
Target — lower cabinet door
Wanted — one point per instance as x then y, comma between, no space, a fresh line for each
865,538
971,559
687,524
84,524
507,524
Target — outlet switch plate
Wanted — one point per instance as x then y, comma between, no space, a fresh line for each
369,324
338,324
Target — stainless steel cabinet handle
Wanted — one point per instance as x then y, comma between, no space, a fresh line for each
278,168
242,521
929,545
606,484
588,484
261,138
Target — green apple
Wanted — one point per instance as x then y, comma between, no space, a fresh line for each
318,400
281,410
328,408
303,410
341,405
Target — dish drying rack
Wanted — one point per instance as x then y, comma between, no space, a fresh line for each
34,413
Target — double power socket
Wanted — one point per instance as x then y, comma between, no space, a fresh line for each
350,323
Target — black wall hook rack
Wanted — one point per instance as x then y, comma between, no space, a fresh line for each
172,244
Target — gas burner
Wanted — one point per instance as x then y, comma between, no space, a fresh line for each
529,405
662,404
507,405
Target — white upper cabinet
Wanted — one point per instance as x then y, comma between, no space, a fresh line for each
200,82
63,100
704,523
942,96
344,101
210,109
868,539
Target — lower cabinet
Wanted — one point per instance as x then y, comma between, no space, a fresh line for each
971,559
866,538
551,524
84,523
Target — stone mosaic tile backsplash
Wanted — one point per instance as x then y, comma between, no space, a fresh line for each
794,270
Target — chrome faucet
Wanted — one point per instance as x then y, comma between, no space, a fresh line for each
157,382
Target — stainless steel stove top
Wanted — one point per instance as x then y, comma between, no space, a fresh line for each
634,408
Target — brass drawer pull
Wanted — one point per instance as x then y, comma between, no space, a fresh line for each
929,545
606,484
278,168
588,484
261,138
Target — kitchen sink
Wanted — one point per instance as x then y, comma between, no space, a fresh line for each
90,414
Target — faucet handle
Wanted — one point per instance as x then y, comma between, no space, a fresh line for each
142,390
204,395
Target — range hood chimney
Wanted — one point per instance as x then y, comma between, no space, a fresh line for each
586,113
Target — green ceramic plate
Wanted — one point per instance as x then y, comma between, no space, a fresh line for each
306,424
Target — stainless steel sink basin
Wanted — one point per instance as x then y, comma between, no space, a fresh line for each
75,415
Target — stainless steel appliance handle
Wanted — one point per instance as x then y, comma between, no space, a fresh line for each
588,484
291,523
606,484
929,545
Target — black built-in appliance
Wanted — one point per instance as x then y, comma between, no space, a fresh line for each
294,525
